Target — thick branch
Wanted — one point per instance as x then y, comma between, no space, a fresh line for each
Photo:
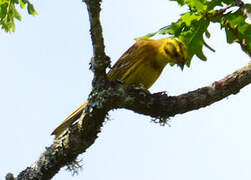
99,61
162,106
77,140
65,150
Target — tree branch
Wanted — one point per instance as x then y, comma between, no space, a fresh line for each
76,140
99,61
66,150
161,106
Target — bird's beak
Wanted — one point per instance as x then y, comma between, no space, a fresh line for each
181,65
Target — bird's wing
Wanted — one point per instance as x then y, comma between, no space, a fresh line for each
130,58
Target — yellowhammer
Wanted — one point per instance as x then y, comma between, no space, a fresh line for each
140,64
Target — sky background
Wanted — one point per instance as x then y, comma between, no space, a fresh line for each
44,75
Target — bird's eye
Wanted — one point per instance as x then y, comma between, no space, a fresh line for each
176,54
171,50
167,51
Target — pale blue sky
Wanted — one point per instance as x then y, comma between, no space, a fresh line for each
44,75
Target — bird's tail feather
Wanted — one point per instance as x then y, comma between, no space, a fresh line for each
69,120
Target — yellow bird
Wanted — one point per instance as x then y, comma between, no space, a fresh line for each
142,64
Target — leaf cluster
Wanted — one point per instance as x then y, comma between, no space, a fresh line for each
192,26
8,13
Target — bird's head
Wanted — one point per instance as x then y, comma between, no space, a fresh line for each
174,51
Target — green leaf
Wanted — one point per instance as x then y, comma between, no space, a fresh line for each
17,15
8,13
145,36
190,29
180,2
173,29
15,1
197,5
31,9
249,44
3,10
189,18
22,3
193,38
236,27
